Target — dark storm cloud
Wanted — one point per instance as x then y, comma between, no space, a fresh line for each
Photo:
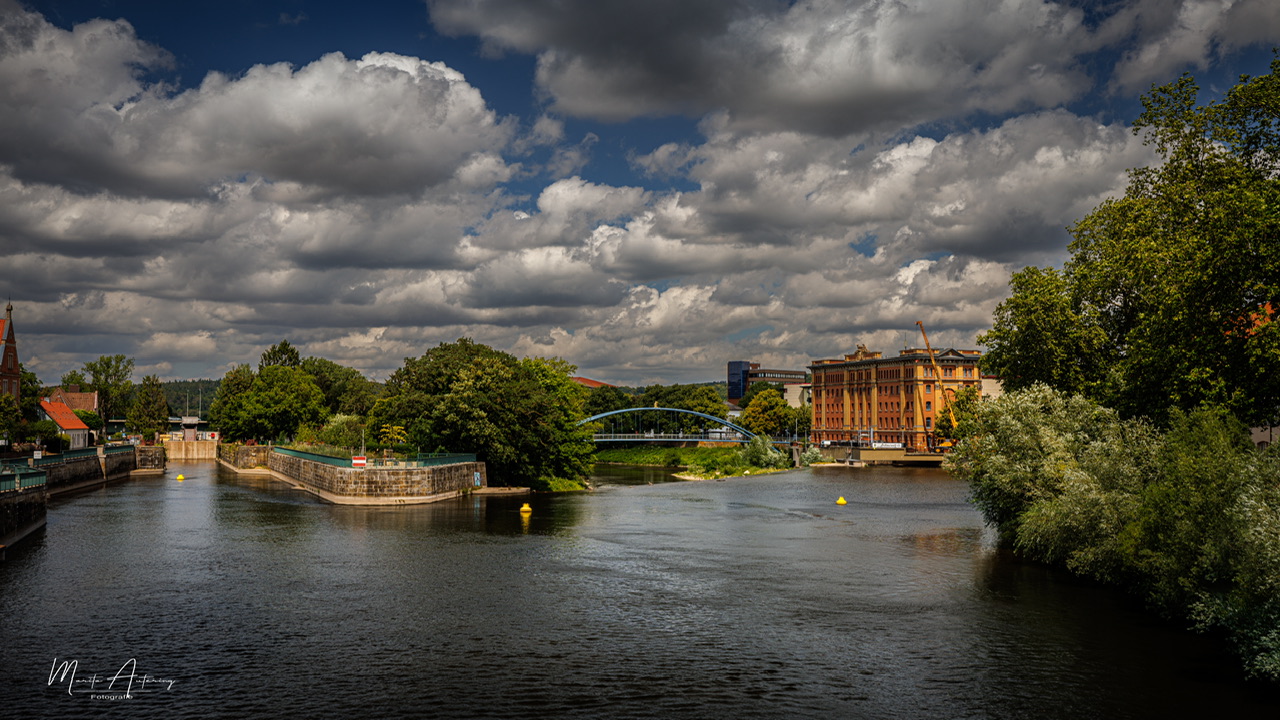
833,67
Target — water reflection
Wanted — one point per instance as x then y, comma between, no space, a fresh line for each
756,597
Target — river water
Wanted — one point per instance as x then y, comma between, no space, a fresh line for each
755,597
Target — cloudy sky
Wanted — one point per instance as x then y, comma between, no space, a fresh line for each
646,189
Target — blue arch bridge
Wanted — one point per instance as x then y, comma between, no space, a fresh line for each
647,426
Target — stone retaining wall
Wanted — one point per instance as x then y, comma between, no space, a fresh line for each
374,486
244,457
21,513
79,472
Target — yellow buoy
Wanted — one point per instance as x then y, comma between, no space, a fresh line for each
181,478
525,508
842,501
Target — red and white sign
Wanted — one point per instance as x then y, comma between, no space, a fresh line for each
213,436
359,461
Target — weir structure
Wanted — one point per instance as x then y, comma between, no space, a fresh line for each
338,481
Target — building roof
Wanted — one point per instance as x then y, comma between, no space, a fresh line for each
76,400
64,416
589,383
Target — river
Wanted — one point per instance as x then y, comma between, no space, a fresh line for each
755,597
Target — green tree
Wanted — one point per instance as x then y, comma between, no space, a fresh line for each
111,376
965,408
90,418
224,410
43,431
698,398
758,387
802,420
1172,290
279,400
30,388
282,354
74,377
519,417
10,418
606,398
345,389
768,414
149,413
1040,335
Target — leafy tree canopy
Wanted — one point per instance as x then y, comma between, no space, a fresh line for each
759,387
282,353
30,389
10,418
768,414
606,398
518,416
345,389
90,418
149,413
1172,293
74,377
112,377
269,405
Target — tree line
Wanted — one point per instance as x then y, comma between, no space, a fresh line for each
144,407
1122,452
765,412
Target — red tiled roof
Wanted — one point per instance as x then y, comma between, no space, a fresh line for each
76,400
63,415
588,382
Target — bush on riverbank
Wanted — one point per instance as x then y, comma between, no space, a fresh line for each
1188,518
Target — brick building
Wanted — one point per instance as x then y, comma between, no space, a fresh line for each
10,372
868,398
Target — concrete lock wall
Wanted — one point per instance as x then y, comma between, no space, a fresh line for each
151,457
380,485
244,457
192,449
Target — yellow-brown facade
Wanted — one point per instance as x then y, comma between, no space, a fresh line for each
868,398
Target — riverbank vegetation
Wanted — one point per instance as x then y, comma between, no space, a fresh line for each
1187,518
1121,451
708,463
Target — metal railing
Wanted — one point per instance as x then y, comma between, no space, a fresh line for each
422,459
17,477
63,457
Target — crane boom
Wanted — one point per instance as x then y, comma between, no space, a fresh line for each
942,392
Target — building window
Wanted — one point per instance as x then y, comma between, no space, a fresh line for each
928,405
949,372
928,423
928,389
968,372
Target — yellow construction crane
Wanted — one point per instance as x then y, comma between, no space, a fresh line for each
937,374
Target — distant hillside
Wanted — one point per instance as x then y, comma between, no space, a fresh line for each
190,397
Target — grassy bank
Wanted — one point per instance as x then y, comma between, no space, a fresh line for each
706,463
